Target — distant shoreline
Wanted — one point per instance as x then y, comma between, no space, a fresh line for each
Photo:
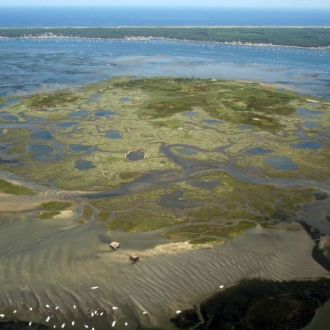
306,37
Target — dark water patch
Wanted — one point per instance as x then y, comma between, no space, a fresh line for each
42,149
9,102
4,113
320,196
281,163
9,161
212,121
45,157
42,135
113,135
311,124
21,325
79,114
186,151
125,99
105,113
2,131
259,304
190,113
84,165
205,184
79,147
66,124
258,151
308,114
307,145
244,127
135,155
10,117
327,217
174,200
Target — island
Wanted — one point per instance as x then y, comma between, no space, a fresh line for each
169,166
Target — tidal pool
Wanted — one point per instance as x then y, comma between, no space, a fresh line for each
9,102
307,145
42,149
258,151
104,113
174,200
190,113
244,127
205,184
135,155
67,124
308,114
84,165
311,124
212,121
281,163
79,114
125,99
79,147
113,135
10,117
42,135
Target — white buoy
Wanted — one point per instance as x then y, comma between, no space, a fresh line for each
86,326
72,323
48,318
63,325
144,313
178,312
101,313
92,315
96,312
15,311
126,324
74,306
56,307
30,323
114,307
2,315
221,286
113,324
47,306
30,308
94,287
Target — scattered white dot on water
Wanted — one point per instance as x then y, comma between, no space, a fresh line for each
48,318
72,323
63,325
92,314
2,315
178,312
144,313
126,324
74,306
15,311
221,286
113,323
47,306
86,326
30,308
101,313
30,323
114,307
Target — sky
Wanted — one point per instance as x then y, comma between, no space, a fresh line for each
172,3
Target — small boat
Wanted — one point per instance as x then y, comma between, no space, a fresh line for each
114,245
134,258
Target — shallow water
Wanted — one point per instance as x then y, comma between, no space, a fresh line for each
281,163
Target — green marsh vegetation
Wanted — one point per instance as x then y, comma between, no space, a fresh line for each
50,209
302,37
13,189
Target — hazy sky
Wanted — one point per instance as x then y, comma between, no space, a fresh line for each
174,3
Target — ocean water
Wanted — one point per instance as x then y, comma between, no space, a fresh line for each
51,17
35,65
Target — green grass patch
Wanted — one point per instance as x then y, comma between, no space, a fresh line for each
52,206
9,188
